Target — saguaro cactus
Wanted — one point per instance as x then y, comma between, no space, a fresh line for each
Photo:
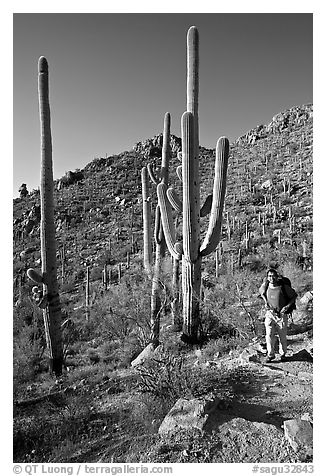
156,303
191,250
146,222
52,311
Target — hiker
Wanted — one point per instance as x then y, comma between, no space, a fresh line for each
279,298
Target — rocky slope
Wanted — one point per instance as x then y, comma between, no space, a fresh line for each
269,181
105,411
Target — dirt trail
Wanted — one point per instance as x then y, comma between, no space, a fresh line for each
285,388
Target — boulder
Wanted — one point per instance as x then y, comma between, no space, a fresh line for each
267,184
302,317
249,354
153,147
251,441
306,298
146,354
70,178
303,355
299,434
23,192
190,414
259,346
307,416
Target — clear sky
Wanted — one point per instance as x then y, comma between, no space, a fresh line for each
113,77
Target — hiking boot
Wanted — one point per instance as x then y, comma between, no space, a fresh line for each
269,359
283,358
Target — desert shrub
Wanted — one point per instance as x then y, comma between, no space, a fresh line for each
121,354
170,377
68,284
96,273
69,421
23,311
302,281
121,313
215,348
225,311
166,377
253,262
28,350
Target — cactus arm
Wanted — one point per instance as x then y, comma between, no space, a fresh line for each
167,221
151,174
35,276
207,206
179,172
158,229
166,152
174,199
214,228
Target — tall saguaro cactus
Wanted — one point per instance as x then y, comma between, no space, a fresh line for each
159,237
160,249
191,249
52,309
146,222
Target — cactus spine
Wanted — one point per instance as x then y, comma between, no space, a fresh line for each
191,250
52,312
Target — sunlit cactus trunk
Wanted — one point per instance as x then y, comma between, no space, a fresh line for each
52,312
191,259
175,303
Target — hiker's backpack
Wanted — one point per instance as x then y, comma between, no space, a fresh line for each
283,280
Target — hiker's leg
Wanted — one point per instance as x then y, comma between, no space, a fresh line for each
270,336
282,332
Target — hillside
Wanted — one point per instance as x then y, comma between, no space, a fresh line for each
98,212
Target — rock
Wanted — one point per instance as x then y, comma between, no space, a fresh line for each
153,147
307,416
305,375
23,192
301,320
299,434
147,353
267,184
258,346
302,355
70,178
248,355
190,414
307,297
242,427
